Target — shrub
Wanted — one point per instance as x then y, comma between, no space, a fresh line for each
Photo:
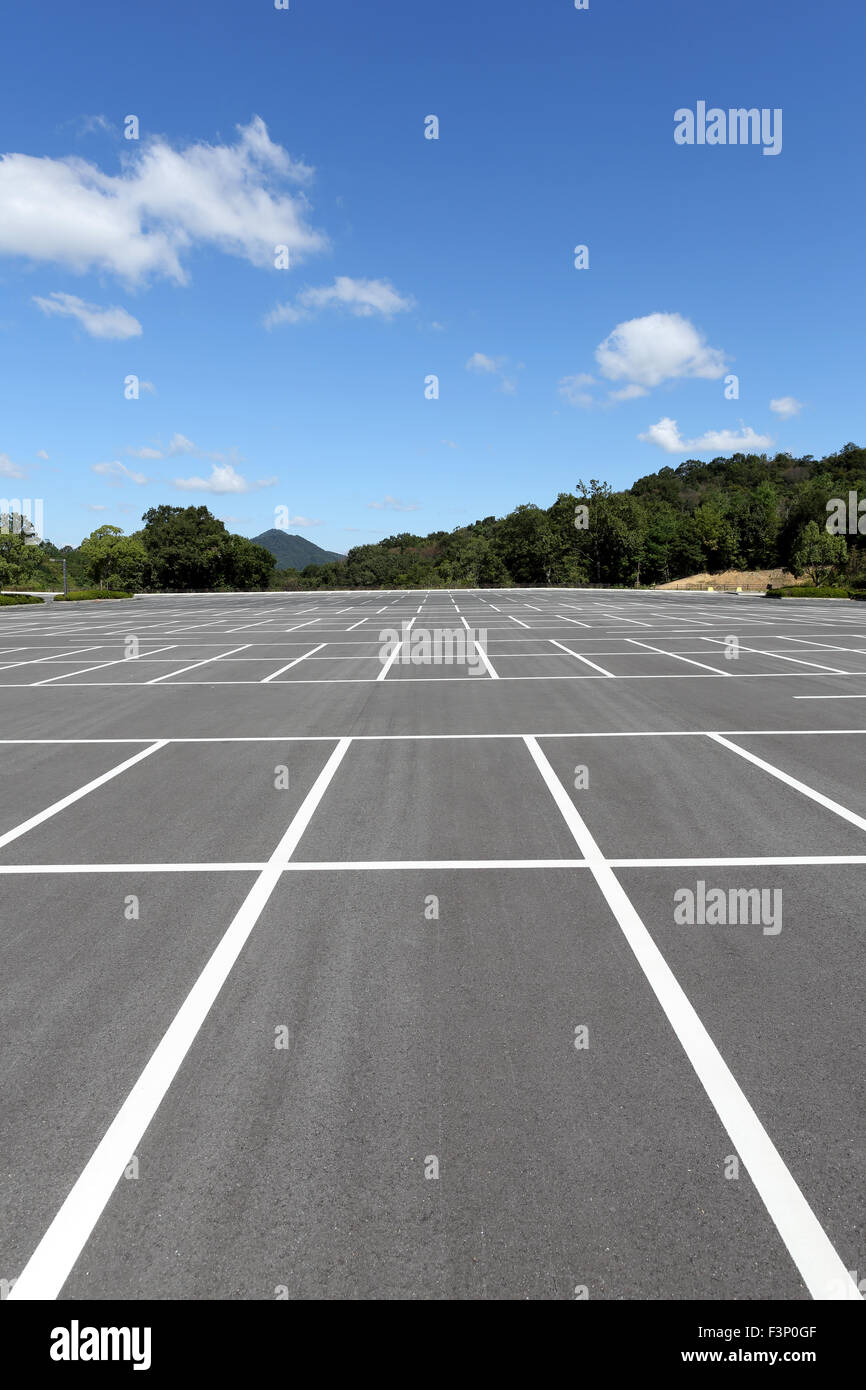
77,595
808,591
7,599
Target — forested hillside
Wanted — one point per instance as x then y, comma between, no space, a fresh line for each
744,512
294,552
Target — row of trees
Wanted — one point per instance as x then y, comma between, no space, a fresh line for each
178,548
745,512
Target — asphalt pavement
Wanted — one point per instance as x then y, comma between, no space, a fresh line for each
345,959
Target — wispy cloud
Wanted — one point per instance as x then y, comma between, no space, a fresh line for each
118,473
8,469
393,504
574,389
98,322
493,366
362,298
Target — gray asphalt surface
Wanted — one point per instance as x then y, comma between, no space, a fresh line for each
351,1071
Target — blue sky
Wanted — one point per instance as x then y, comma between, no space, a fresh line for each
304,388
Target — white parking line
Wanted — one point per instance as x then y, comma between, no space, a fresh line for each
586,659
819,797
637,641
494,675
780,656
288,667
52,656
823,1272
395,653
70,800
169,675
49,1266
101,667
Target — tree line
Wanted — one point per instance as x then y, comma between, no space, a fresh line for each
746,512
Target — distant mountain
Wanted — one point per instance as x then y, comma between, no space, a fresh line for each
294,552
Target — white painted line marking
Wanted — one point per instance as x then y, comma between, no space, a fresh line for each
52,656
517,620
49,1266
779,656
101,667
565,618
308,623
822,1270
169,675
354,625
395,653
582,658
637,642
819,797
494,675
132,868
297,659
69,800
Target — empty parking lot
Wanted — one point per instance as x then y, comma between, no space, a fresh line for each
337,973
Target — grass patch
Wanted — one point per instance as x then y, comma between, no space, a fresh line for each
7,599
78,595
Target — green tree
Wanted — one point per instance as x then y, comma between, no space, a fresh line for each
113,560
817,553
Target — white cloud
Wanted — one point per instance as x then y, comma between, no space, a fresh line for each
363,298
304,521
87,124
223,478
142,222
98,322
179,444
480,362
628,393
659,347
494,366
97,507
393,504
144,453
667,436
449,443
573,389
42,455
786,406
8,469
118,473
149,387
